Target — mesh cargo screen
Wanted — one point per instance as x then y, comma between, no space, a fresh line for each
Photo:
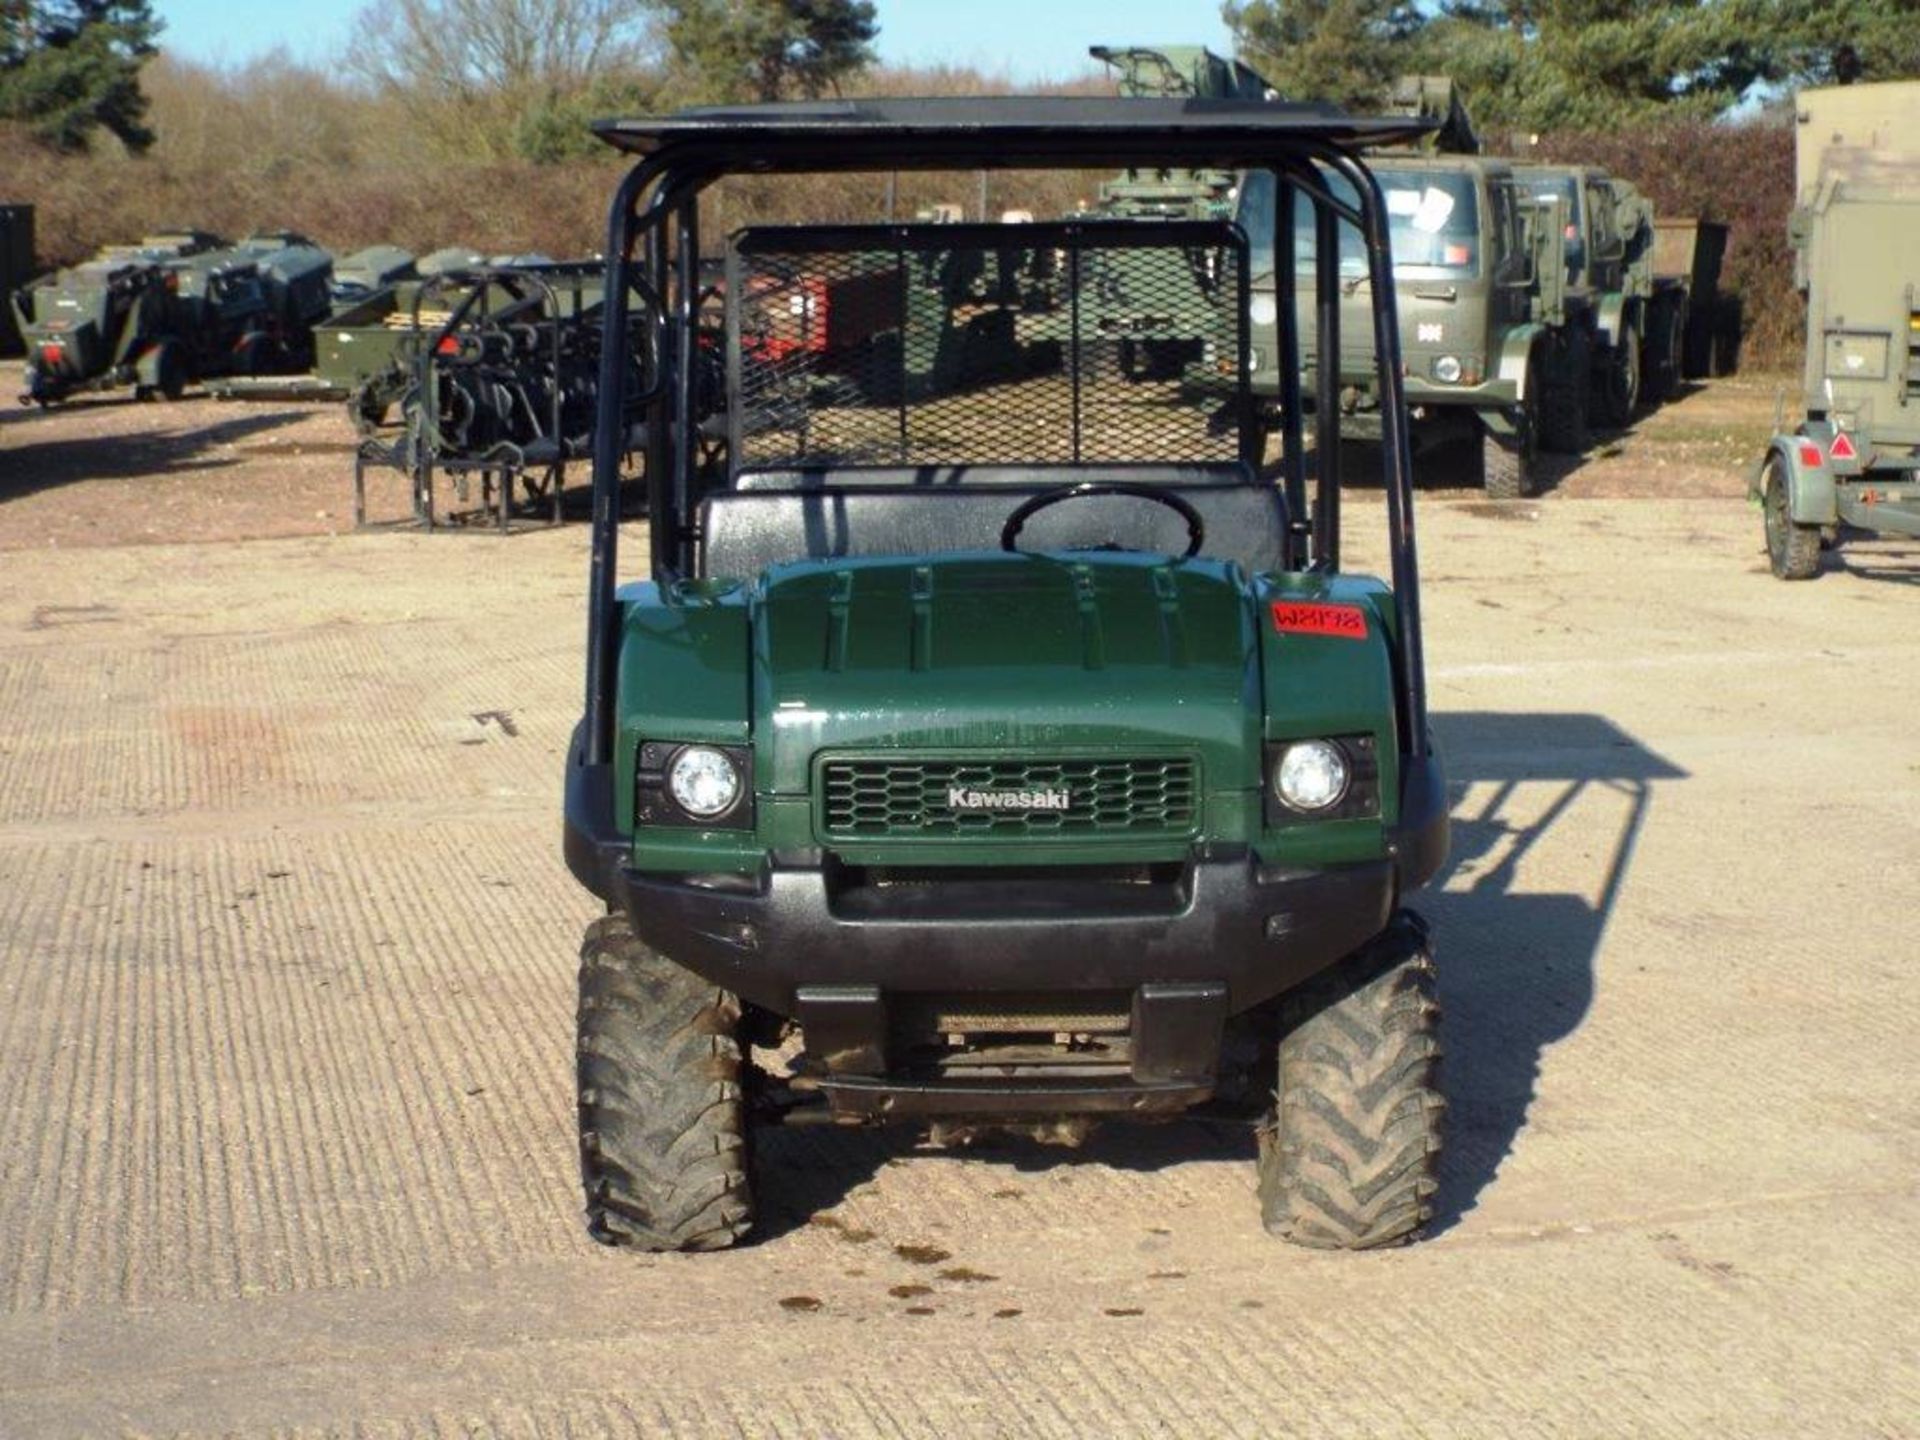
1078,342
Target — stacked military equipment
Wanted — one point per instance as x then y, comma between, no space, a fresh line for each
178,307
1854,458
16,268
493,372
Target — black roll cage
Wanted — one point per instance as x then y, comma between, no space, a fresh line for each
657,205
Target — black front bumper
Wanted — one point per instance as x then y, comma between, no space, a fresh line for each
823,945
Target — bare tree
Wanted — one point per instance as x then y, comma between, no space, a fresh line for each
477,76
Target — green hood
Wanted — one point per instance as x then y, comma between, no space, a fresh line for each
987,652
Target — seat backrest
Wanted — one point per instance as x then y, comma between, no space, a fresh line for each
749,529
1038,477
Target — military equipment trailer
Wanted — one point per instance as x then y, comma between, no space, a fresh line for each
1015,745
1854,458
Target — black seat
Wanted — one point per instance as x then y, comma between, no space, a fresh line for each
793,515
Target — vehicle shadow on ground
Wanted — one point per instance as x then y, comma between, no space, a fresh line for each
28,466
1516,965
1884,559
1516,975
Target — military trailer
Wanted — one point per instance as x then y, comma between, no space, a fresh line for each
363,273
157,325
1491,356
1021,751
1854,458
16,269
297,276
1690,249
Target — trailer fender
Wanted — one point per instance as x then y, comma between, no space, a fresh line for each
1514,360
1810,493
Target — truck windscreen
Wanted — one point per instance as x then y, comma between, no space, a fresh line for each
1433,221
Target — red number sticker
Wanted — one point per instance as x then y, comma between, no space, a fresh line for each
1302,617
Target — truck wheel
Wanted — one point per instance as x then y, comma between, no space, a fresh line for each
663,1136
1621,394
1347,1159
1793,550
1563,399
1507,461
1504,464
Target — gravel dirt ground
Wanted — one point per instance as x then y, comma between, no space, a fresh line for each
286,982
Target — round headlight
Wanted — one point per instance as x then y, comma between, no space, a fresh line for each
1447,368
1311,775
703,782
1262,310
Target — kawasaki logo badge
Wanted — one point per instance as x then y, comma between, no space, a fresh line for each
959,797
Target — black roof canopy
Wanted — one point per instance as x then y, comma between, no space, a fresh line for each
1001,132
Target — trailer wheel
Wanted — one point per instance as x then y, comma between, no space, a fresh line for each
1620,396
250,355
1662,358
1347,1158
169,369
1793,549
663,1132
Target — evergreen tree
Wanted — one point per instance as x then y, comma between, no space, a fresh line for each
769,49
1346,51
1604,64
71,67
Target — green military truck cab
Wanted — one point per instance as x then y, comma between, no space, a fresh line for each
1019,746
1854,458
1482,327
1629,316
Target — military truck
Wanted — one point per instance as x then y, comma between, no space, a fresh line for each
1854,458
1152,320
1491,355
1632,314
1018,749
1175,72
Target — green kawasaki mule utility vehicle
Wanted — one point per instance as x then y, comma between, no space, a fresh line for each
988,721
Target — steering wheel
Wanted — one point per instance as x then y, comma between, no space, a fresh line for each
1027,509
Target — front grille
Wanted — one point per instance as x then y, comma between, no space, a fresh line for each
877,799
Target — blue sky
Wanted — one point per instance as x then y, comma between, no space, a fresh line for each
1030,39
